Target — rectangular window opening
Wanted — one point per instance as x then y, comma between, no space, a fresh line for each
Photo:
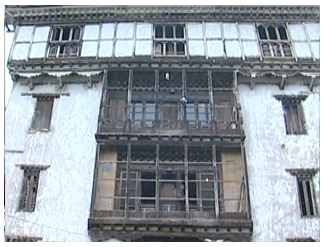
42,114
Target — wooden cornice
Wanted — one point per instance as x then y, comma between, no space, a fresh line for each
16,14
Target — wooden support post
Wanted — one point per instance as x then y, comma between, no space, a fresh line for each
104,100
211,99
186,179
246,182
157,185
283,82
129,149
156,80
184,83
129,98
216,179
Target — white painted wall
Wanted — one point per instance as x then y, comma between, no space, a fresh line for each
273,191
69,148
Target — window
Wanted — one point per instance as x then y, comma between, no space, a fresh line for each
293,114
29,189
306,196
198,115
133,190
22,239
169,40
30,43
142,114
42,114
305,189
65,42
274,41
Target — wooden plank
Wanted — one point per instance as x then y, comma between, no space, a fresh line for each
215,181
127,178
129,98
157,186
186,179
246,181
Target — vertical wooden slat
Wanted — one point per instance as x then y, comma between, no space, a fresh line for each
216,179
246,181
129,97
156,83
127,178
157,185
186,179
307,206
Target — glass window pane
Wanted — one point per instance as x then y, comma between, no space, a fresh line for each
20,52
124,48
302,50
215,48
313,30
191,112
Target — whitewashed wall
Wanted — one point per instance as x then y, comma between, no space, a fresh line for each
273,191
65,188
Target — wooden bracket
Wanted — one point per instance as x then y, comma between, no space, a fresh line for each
252,84
30,84
60,82
311,84
89,83
283,82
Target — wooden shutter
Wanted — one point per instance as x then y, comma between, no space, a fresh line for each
169,115
29,191
43,113
117,112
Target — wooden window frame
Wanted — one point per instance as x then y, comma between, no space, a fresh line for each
58,44
278,48
28,196
42,111
293,110
164,41
306,196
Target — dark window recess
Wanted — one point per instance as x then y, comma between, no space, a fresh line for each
65,42
169,40
42,114
262,32
306,196
294,118
29,190
274,41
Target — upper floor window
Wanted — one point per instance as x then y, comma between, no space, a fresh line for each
306,193
274,41
169,40
293,114
42,114
65,42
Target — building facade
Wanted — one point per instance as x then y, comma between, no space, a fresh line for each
163,123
